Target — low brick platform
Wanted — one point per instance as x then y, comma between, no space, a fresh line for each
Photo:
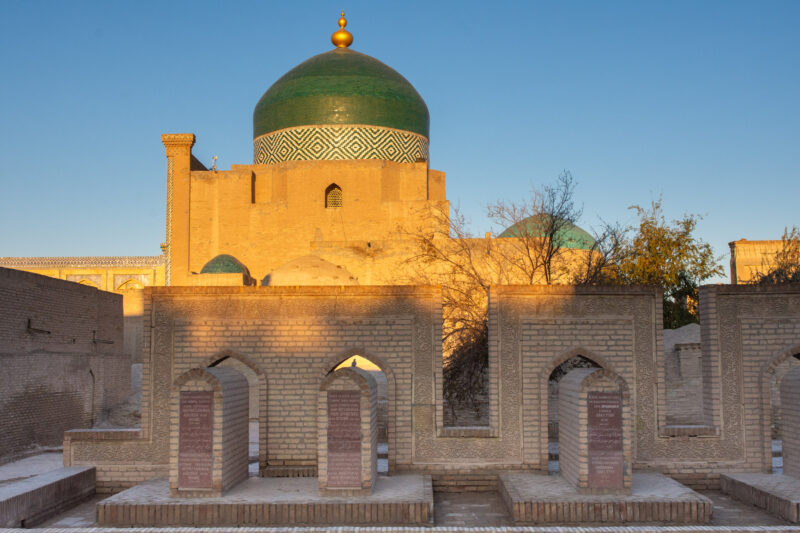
31,501
404,499
655,498
779,495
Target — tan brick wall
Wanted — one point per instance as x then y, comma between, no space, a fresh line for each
751,257
683,372
293,336
282,207
790,407
61,355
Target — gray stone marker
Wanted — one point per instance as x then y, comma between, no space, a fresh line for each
595,432
605,439
196,440
209,433
347,433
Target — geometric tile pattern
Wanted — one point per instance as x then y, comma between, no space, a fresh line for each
339,142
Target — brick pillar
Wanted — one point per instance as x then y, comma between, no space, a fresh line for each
179,157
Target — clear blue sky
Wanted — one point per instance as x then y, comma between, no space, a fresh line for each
695,101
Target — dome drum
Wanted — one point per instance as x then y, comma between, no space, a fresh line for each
339,142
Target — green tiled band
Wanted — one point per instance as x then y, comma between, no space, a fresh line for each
339,142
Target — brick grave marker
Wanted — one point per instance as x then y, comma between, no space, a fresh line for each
209,433
595,432
347,433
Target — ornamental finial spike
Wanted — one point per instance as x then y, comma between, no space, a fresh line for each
342,38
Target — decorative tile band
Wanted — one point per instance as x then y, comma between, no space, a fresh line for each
339,142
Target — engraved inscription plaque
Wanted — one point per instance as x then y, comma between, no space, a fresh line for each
344,439
195,434
605,440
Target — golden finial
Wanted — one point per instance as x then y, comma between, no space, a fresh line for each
342,38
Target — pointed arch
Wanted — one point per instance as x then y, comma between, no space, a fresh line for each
768,373
129,285
263,433
544,397
333,196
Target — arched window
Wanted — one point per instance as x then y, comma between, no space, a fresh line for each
333,196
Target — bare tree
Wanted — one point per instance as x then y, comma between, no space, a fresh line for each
531,250
784,266
537,228
600,265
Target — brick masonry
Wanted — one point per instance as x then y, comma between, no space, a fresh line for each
31,501
790,416
363,385
543,499
291,337
61,352
575,433
399,500
777,494
227,462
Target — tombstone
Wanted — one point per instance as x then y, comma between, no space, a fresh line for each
595,432
347,433
790,422
208,432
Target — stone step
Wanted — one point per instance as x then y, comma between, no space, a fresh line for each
778,494
542,500
31,501
405,500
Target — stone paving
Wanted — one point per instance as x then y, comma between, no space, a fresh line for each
486,509
730,512
452,512
470,509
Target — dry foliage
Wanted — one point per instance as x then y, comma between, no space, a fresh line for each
466,266
784,267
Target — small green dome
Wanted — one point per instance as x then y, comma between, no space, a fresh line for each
224,264
339,87
572,235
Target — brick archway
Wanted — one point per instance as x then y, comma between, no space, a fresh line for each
263,432
330,365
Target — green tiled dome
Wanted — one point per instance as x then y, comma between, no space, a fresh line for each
224,264
573,236
340,87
